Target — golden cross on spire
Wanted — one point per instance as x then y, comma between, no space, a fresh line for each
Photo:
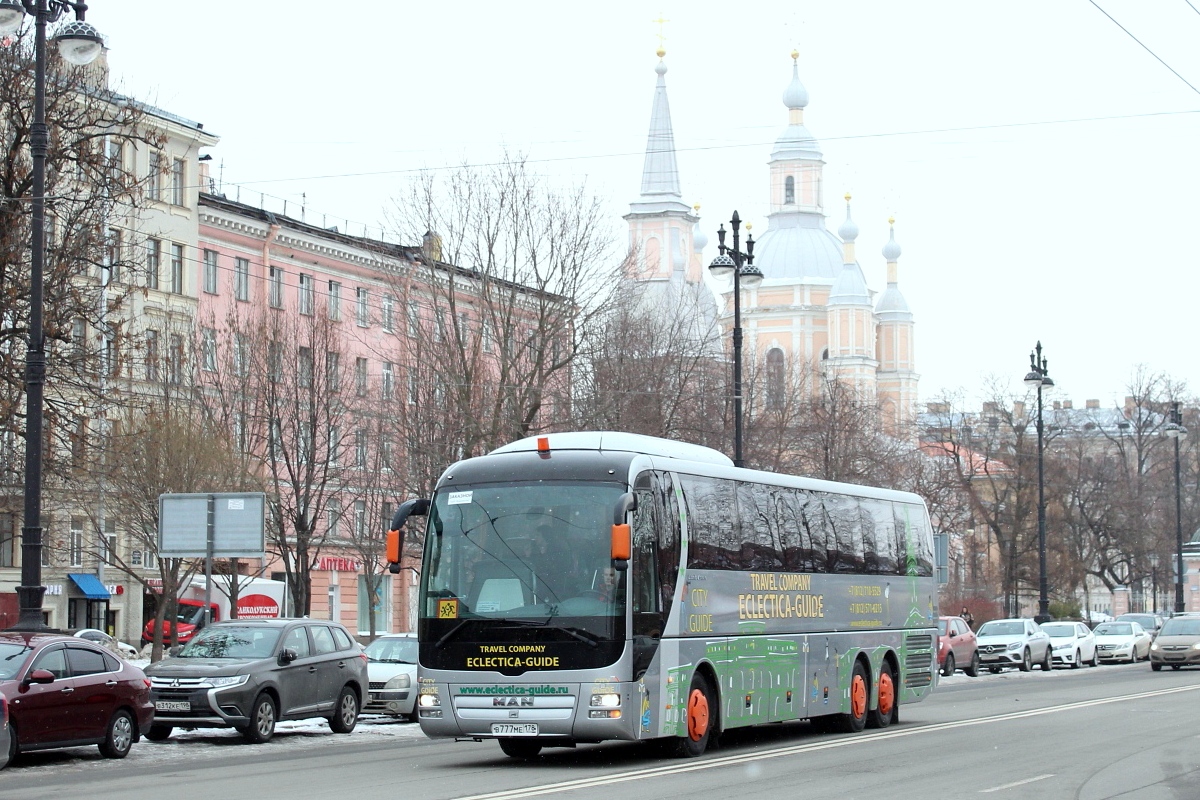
661,21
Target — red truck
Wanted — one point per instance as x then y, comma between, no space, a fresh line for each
258,598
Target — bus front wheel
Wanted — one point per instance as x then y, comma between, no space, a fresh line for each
520,748
700,716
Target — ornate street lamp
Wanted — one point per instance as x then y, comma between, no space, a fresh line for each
79,44
1177,432
733,261
1039,377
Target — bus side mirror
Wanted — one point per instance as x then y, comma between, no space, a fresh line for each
622,544
395,535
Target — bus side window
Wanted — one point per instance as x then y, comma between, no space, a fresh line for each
759,548
846,542
713,536
670,534
646,598
816,528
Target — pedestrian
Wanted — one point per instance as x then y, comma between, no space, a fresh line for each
967,618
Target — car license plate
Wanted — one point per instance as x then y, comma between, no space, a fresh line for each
510,729
172,705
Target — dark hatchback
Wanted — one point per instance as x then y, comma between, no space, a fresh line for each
63,691
248,674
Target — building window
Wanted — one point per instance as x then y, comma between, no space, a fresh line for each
335,446
413,387
387,312
153,262
240,436
305,367
360,377
306,294
276,439
360,449
275,361
78,336
76,542
333,516
360,519
177,268
776,369
208,350
210,271
388,382
333,371
362,311
108,542
178,186
110,364
175,360
152,355
789,190
485,333
464,327
385,458
112,255
154,179
414,319
276,288
439,329
335,301
241,355
241,278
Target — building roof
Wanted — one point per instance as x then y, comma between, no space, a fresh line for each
660,173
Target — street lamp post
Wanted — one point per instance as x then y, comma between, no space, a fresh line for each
733,261
1039,377
1154,583
1176,431
79,44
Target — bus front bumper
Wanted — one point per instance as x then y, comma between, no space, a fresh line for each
562,712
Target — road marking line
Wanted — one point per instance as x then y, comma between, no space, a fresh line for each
658,772
1014,784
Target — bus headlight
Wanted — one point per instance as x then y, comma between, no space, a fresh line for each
605,700
605,706
430,701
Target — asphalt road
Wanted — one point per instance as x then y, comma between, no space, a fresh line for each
1108,732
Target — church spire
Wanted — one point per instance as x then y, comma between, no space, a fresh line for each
660,175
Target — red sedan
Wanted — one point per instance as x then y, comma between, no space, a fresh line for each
63,691
956,647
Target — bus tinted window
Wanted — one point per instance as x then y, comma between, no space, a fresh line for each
845,546
760,547
911,537
714,541
879,536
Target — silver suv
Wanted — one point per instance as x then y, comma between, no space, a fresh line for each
248,674
1017,643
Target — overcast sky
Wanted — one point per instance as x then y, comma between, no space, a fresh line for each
1041,164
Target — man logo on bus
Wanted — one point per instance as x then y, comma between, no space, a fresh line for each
512,701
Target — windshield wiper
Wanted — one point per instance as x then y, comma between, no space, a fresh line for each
450,634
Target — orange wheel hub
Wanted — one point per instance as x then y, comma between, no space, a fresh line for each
858,697
887,693
697,715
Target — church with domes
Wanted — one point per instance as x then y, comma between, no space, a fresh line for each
813,318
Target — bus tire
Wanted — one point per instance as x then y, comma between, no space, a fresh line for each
860,691
886,710
520,748
700,716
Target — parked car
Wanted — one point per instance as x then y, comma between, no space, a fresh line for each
1121,641
64,691
5,733
1017,643
126,651
392,668
957,647
1178,643
1151,623
1072,644
248,674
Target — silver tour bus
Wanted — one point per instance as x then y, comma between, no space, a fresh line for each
589,586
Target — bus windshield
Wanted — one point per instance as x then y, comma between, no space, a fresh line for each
527,551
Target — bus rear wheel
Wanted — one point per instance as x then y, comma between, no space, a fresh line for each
885,711
520,748
700,715
860,690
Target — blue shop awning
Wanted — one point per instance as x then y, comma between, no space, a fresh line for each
90,585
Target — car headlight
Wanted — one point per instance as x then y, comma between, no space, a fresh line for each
1154,646
1196,646
401,681
225,682
1015,645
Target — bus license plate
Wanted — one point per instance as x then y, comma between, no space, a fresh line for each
509,729
172,705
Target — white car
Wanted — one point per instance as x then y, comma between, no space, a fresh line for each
1122,641
392,672
1073,643
1013,643
96,636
